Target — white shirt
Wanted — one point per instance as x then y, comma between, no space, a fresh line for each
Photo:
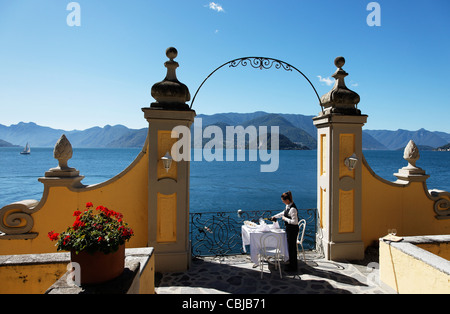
292,213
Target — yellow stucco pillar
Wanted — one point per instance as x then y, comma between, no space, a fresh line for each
168,187
339,160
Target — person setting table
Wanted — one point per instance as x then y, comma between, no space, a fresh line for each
290,218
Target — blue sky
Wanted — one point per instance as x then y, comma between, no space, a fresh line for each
101,72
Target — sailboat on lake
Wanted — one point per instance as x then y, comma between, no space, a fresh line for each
26,150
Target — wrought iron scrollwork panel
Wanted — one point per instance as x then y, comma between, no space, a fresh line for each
261,63
219,233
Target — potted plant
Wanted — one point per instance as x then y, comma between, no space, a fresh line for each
96,241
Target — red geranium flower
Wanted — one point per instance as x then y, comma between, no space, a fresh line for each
101,230
66,240
53,235
78,224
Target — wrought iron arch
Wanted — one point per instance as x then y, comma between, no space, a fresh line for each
258,63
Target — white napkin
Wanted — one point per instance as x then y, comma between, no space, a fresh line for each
263,228
275,225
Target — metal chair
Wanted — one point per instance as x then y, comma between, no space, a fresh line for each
301,234
270,251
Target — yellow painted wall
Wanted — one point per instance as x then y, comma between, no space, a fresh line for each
346,149
408,275
30,279
147,279
323,158
126,193
439,249
406,208
165,143
167,218
37,278
346,211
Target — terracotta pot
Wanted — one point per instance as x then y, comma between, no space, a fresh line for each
99,267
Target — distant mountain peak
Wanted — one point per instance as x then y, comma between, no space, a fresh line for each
297,128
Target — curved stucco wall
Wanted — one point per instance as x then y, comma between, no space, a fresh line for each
126,193
406,207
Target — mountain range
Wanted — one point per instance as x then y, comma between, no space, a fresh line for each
296,132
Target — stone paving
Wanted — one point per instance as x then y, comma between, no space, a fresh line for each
237,275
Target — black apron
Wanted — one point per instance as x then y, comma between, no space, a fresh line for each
291,235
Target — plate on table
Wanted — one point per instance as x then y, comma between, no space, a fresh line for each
250,224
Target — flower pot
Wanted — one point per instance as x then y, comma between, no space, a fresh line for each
99,267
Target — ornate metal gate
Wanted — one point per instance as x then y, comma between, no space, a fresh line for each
261,63
219,233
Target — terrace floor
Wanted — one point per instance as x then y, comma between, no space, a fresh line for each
237,275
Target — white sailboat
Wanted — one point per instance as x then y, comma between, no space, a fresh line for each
26,150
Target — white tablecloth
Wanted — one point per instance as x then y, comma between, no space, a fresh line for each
252,237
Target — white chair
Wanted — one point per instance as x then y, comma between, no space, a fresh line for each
270,251
301,234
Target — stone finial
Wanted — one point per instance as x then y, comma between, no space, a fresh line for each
411,172
411,154
170,93
62,152
340,99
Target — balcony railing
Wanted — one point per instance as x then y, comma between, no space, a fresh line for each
219,233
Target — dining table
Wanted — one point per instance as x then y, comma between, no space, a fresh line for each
252,236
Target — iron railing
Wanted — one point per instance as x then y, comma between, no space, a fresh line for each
219,233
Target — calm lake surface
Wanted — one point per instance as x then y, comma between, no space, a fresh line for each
215,186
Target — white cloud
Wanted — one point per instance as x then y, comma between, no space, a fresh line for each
215,6
326,80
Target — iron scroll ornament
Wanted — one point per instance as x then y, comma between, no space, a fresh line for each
258,63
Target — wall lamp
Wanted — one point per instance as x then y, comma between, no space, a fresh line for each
351,161
167,161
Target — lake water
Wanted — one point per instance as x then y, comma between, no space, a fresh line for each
215,186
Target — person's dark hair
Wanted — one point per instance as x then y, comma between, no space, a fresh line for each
287,196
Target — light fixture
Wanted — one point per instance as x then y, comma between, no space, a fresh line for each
167,161
351,161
